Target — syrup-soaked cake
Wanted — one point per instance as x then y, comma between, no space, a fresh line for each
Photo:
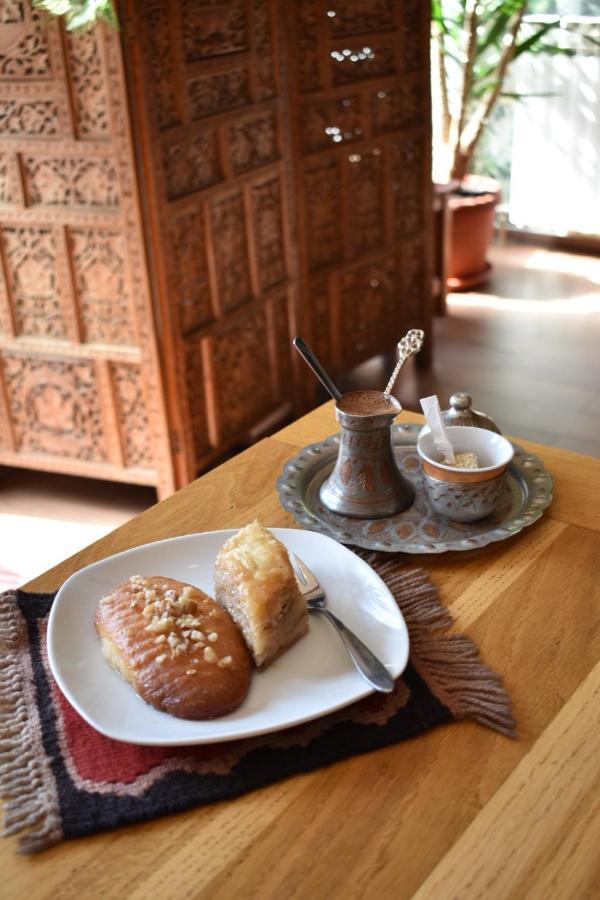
255,583
179,650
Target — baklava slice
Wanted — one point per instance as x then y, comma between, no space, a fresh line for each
255,583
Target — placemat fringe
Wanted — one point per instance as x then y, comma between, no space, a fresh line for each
29,805
450,664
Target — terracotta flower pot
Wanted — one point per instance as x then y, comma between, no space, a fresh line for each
471,229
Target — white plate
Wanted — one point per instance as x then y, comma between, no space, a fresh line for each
314,677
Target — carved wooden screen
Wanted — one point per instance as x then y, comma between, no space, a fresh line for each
207,95
80,388
280,157
359,98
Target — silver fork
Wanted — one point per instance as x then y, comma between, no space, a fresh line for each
371,668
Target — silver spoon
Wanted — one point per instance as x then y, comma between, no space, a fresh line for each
410,344
310,358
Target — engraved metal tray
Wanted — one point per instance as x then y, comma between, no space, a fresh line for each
528,492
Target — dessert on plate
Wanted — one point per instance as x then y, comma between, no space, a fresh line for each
255,583
179,650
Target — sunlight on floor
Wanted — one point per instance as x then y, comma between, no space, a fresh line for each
30,544
574,306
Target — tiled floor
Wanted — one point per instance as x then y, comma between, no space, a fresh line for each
526,346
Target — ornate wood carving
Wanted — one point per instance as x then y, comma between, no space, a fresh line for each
34,118
30,259
102,284
90,99
359,107
228,228
283,172
54,406
189,278
242,392
268,229
213,28
192,165
25,52
252,143
132,411
219,92
70,182
71,247
322,193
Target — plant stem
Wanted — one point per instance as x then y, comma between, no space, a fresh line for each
474,128
442,77
470,39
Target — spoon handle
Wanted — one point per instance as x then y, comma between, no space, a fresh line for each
371,668
310,358
433,414
410,344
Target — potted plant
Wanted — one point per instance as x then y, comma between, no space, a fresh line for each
474,43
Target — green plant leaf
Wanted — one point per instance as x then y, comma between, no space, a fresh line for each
554,50
512,95
80,13
529,43
498,19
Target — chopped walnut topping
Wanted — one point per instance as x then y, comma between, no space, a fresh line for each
171,594
180,648
225,662
149,610
173,640
106,599
135,579
160,626
132,605
197,635
160,639
191,671
210,655
160,659
150,595
188,621
186,633
213,613
185,594
213,636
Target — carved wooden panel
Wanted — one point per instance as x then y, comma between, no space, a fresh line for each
212,132
239,361
283,174
55,407
73,277
90,100
102,285
358,101
132,408
30,259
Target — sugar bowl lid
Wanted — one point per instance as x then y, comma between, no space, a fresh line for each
462,413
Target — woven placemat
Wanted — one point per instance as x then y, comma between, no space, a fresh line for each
59,778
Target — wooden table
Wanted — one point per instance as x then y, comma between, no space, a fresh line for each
459,812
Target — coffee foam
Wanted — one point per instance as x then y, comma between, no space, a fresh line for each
368,403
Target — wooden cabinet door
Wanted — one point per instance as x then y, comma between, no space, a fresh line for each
360,125
207,99
80,383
